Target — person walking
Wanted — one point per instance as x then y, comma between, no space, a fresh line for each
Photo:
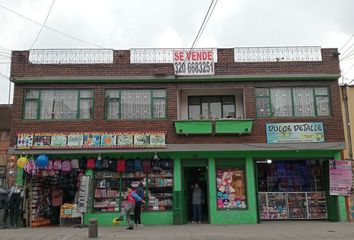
197,201
138,204
133,197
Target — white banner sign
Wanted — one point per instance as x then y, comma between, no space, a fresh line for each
195,62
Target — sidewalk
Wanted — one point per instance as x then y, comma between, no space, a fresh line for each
268,230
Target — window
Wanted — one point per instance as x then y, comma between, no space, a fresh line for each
289,102
58,104
211,107
135,104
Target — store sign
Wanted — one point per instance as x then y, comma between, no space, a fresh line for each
340,177
91,140
195,62
295,132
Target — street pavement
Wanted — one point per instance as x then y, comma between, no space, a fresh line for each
264,231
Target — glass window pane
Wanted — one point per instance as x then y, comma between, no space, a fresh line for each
194,111
159,108
211,99
215,110
303,102
85,109
32,94
112,108
263,108
65,104
85,94
228,111
112,93
194,100
159,93
136,104
322,104
281,102
228,99
205,111
47,104
31,109
262,92
321,91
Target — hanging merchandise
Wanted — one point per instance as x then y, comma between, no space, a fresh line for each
83,163
75,164
129,166
105,163
57,165
121,165
147,166
21,162
91,162
42,161
30,168
112,165
66,166
137,165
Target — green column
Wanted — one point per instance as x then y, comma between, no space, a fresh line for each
341,207
251,190
212,190
177,175
19,175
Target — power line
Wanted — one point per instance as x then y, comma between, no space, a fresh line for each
52,29
2,52
350,38
45,21
2,75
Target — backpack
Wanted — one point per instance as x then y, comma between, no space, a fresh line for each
105,163
121,167
129,166
83,163
91,163
57,164
147,166
66,166
137,165
112,165
99,164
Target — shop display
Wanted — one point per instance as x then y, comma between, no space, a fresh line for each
231,189
83,193
70,215
106,191
300,205
160,190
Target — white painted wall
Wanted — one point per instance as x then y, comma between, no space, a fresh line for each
183,94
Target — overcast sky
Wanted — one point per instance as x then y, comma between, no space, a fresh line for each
125,24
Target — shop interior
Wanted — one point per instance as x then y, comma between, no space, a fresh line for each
291,189
194,175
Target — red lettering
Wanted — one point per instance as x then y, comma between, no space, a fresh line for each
210,56
188,56
178,56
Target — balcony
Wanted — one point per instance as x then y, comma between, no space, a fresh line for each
211,127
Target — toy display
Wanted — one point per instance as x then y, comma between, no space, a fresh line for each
231,188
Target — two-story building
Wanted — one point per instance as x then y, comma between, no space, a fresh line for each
255,127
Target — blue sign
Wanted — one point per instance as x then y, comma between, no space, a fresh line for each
295,132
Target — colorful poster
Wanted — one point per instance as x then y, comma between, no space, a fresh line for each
295,132
75,140
41,140
58,141
157,139
24,141
108,140
231,191
92,140
141,139
125,139
340,177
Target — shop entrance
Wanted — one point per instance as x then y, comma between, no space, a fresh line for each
192,176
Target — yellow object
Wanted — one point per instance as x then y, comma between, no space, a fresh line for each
116,221
21,162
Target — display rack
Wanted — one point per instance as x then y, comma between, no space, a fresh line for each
106,192
292,205
160,190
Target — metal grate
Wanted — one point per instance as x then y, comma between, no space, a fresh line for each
277,54
70,56
159,55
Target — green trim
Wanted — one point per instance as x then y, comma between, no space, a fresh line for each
212,190
174,79
193,126
19,177
240,126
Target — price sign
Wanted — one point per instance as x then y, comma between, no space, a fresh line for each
195,62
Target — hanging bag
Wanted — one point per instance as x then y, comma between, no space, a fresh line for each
121,167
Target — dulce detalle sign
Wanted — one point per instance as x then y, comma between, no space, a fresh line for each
195,62
340,177
295,132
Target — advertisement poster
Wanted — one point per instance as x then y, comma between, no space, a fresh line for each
41,140
75,140
58,141
157,139
195,62
24,141
92,140
108,140
231,189
141,139
340,177
295,132
125,139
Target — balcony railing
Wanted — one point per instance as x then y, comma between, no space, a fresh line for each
158,55
71,56
277,54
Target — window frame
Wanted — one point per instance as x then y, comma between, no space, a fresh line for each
271,114
38,102
211,96
151,102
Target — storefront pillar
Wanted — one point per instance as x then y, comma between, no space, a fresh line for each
19,177
178,196
341,206
212,189
251,189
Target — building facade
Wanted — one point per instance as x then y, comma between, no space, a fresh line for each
256,135
5,127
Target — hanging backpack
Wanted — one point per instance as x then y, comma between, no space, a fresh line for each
66,166
147,166
57,165
91,163
112,165
121,167
105,163
83,163
99,164
137,165
129,166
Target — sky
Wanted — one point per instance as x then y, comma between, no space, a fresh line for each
126,24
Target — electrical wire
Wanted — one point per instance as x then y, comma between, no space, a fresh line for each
45,21
350,38
52,29
2,75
